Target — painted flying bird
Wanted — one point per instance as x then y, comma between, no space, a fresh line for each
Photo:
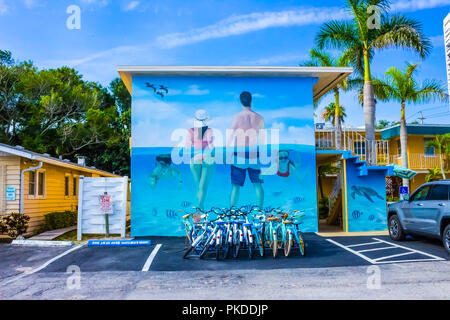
149,85
163,88
160,94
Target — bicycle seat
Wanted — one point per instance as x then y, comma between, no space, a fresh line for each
273,219
287,222
247,224
186,216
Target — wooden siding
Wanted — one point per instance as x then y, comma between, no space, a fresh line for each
9,176
54,199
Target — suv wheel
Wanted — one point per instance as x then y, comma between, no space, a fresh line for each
395,228
446,238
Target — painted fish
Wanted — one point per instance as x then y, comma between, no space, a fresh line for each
298,199
186,204
371,217
356,214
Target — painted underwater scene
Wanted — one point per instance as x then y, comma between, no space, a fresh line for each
155,207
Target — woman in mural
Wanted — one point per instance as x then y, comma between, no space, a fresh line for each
202,164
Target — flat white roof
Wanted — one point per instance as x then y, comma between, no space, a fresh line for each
328,77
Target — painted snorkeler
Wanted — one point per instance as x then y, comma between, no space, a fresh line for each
287,166
202,162
164,170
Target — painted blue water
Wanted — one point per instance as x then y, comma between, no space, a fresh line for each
155,211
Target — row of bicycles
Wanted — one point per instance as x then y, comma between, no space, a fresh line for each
228,232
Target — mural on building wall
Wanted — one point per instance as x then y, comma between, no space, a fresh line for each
366,200
220,142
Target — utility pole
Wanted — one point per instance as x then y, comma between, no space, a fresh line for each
421,118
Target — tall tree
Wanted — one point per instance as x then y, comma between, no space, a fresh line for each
403,87
369,29
325,59
441,145
330,114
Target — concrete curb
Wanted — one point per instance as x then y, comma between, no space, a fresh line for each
42,243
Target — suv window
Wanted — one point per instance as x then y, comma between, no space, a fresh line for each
421,194
438,192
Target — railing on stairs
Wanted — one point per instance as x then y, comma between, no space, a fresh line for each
374,152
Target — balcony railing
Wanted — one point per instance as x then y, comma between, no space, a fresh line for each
418,161
374,152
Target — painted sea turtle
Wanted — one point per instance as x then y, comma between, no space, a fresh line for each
366,192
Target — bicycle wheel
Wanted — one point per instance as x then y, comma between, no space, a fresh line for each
301,244
236,244
188,233
227,245
259,243
287,245
274,247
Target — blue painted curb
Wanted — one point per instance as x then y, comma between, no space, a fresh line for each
118,243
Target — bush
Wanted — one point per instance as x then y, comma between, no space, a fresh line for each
323,208
59,220
15,224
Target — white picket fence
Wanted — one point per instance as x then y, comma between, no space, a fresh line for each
91,219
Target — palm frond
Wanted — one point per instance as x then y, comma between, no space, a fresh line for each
398,31
337,34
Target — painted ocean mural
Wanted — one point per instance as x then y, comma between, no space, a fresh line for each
169,112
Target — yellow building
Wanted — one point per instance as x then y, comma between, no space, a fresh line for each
36,184
420,157
387,145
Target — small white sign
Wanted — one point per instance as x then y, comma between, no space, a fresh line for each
10,193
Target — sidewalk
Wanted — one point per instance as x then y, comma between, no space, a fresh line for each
53,234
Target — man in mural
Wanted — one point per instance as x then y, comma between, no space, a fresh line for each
245,132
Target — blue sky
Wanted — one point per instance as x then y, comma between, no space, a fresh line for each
282,103
197,32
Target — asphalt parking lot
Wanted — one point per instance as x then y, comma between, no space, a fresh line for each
165,254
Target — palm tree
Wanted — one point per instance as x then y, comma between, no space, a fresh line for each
441,145
361,40
433,174
324,59
402,87
334,115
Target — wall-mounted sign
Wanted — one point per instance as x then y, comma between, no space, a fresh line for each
404,193
10,193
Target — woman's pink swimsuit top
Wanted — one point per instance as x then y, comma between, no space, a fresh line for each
203,142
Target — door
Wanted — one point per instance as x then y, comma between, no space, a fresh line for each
415,209
436,203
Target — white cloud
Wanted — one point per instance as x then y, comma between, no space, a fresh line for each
132,5
241,24
194,90
437,41
414,5
101,3
278,59
120,50
3,7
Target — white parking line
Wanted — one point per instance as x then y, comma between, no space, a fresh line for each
406,248
46,264
352,251
150,258
387,258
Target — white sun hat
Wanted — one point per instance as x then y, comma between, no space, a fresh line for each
200,118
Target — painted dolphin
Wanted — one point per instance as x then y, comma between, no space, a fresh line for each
366,192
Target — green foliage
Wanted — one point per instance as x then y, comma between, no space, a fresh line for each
55,111
433,174
59,220
323,208
14,224
329,113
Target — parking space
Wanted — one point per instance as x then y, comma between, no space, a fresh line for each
15,260
382,250
167,255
